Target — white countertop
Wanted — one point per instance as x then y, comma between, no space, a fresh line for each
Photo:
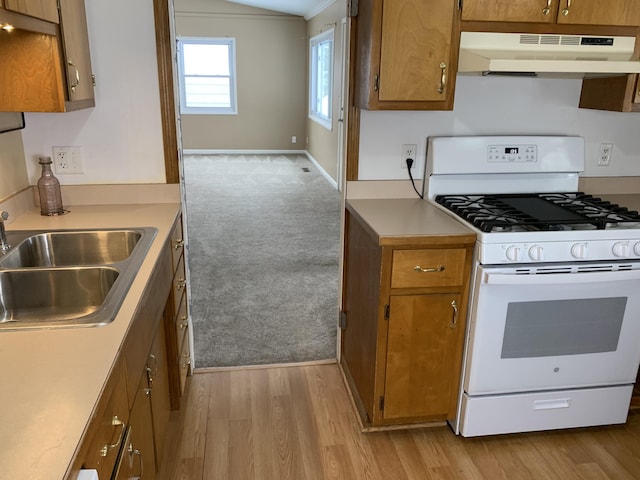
51,379
407,217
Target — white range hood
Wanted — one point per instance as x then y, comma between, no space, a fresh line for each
519,53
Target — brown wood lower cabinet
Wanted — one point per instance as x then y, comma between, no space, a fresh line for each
404,311
127,433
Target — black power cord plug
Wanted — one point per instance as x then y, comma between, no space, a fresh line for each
413,183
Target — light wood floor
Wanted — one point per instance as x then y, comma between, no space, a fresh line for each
298,423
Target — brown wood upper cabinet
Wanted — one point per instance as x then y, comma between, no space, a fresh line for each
565,12
50,72
406,54
42,9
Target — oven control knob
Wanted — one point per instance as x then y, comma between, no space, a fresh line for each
536,253
513,253
636,248
579,250
620,249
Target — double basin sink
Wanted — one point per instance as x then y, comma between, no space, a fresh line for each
68,278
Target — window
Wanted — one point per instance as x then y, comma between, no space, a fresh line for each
320,78
207,77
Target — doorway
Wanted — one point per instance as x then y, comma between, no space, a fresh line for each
301,138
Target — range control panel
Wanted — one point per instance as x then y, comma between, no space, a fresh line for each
512,153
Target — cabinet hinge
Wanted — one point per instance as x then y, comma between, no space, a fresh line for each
386,312
93,79
381,403
342,322
376,83
353,8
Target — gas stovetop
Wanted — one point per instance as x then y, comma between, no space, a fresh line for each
530,212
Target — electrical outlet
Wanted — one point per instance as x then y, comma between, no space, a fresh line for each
294,139
604,157
67,160
409,151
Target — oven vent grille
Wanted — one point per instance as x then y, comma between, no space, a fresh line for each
553,269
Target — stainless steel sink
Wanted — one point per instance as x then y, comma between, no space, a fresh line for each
54,296
64,248
68,278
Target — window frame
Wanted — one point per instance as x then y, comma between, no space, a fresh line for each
314,42
231,43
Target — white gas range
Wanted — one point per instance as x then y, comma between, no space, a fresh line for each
554,323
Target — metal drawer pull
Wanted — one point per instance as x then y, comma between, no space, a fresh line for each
565,11
454,320
547,9
181,284
418,268
134,451
179,244
443,77
116,422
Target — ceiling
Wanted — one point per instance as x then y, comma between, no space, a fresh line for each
303,8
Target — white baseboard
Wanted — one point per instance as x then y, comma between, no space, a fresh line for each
322,171
241,152
333,182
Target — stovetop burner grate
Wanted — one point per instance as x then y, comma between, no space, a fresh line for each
539,212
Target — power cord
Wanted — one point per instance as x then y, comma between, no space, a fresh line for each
409,165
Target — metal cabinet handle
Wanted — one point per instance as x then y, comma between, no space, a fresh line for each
184,322
115,422
181,284
443,77
179,244
439,268
565,11
547,10
76,77
454,320
152,370
134,451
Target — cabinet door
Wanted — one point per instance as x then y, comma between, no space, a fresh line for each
599,12
542,11
141,438
42,9
158,379
415,57
77,55
424,350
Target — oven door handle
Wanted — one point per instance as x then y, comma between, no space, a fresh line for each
560,278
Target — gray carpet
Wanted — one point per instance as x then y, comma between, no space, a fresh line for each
263,257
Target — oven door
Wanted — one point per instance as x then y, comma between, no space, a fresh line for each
568,327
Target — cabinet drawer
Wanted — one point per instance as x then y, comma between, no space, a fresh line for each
181,320
179,285
185,361
177,243
427,268
109,426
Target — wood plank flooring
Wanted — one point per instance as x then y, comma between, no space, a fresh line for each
298,423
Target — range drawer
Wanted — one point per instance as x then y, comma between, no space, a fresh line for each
428,268
526,412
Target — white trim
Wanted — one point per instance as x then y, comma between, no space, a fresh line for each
322,171
264,152
318,9
210,151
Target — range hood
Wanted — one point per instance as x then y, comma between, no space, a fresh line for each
564,55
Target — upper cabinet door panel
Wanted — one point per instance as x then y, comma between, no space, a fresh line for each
599,12
42,9
416,50
539,11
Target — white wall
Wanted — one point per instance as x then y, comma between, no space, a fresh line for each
121,137
501,105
